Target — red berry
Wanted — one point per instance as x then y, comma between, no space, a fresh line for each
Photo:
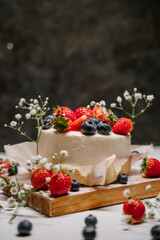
6,164
38,178
60,184
76,125
68,113
151,167
122,126
79,112
135,208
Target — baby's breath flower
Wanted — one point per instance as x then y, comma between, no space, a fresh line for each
18,116
2,166
28,163
35,101
43,160
92,103
102,103
13,162
47,98
119,99
31,100
23,203
48,166
57,168
135,89
14,190
127,218
128,97
2,183
48,179
150,98
126,193
113,105
53,157
158,197
138,96
148,187
131,201
88,106
22,100
36,159
13,124
126,93
151,215
4,171
28,115
71,170
12,182
97,104
64,153
40,192
11,201
21,194
33,112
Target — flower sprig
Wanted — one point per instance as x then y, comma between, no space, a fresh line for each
133,100
36,109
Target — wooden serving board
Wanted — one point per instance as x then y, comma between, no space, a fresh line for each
93,197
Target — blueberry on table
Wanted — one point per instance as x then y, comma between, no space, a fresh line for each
122,178
89,233
24,228
13,170
48,122
94,119
75,186
155,232
104,128
91,220
89,127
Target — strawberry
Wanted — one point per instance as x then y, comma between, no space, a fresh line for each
122,126
68,113
5,165
100,112
79,112
76,125
38,178
135,208
60,184
151,167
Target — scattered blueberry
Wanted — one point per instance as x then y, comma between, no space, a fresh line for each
155,231
122,178
104,128
13,170
88,127
48,122
24,228
135,152
75,185
89,232
91,220
94,119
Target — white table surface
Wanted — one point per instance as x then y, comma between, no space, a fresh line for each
110,223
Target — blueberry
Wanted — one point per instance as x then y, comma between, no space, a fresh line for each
88,127
48,122
122,178
75,185
135,152
104,128
89,232
155,231
13,170
91,220
24,228
94,119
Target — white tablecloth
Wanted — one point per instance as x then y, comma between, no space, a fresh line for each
110,225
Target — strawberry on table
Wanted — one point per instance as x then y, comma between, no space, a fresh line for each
38,178
67,112
76,125
151,167
135,208
122,126
79,112
60,184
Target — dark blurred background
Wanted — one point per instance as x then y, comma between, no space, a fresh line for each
78,51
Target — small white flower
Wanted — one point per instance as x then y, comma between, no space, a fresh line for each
131,201
126,193
23,203
47,98
126,93
135,90
14,190
2,183
22,100
57,168
40,192
28,115
13,124
119,99
71,170
31,100
64,153
54,114
127,218
4,171
92,103
35,101
38,108
148,187
53,157
43,160
151,215
97,104
18,116
102,103
21,194
13,162
33,112
45,102
36,159
113,105
150,98
88,106
138,96
128,97
28,163
48,166
48,179
158,197
11,201
12,182
2,166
